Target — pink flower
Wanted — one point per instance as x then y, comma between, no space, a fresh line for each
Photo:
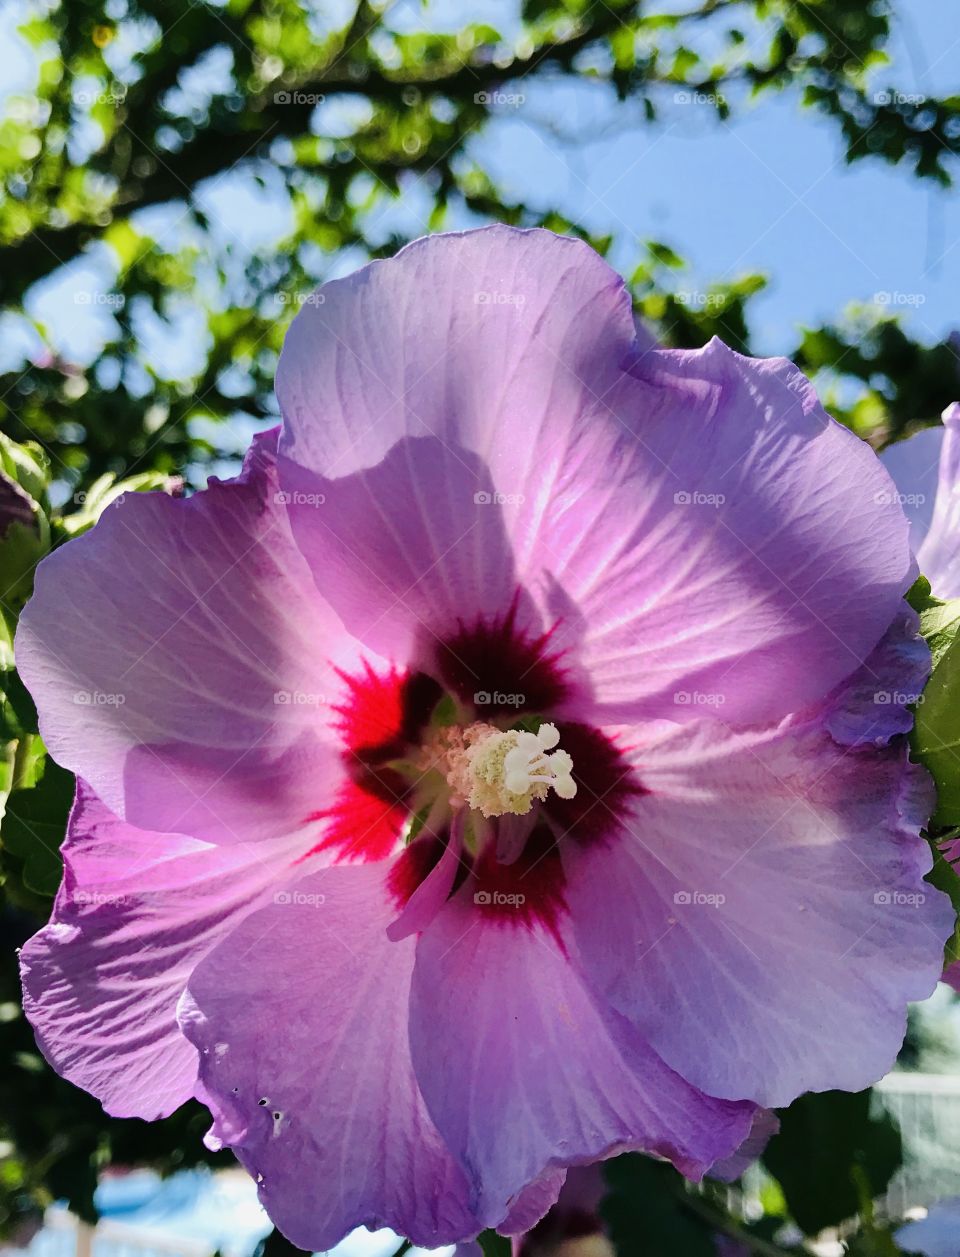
490,778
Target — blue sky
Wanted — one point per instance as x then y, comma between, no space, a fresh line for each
768,191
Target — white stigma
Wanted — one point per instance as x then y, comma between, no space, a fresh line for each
498,771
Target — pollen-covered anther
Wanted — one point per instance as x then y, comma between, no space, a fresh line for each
498,771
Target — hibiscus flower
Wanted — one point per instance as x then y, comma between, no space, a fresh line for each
491,778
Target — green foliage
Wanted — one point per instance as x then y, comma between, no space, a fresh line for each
832,1156
649,1211
936,731
903,384
34,824
494,1245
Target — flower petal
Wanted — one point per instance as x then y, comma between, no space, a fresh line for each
744,557
523,1072
772,921
765,1126
914,465
301,1021
694,520
876,703
939,556
180,658
534,1202
476,339
135,913
409,549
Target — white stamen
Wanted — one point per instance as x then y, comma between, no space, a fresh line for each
503,771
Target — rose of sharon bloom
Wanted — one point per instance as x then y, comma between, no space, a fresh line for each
487,780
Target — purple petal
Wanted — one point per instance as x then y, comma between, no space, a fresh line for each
431,894
134,915
301,1021
16,506
573,1217
926,468
765,1125
412,347
180,658
408,550
876,703
939,556
914,465
951,975
534,1202
695,521
522,1071
752,547
771,921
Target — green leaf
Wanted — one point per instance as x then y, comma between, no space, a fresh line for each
18,715
22,546
919,595
663,254
493,1245
647,1211
830,1154
936,732
34,826
107,491
24,463
944,876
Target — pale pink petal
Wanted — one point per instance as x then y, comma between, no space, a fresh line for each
182,661
523,1071
136,912
301,1021
771,920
